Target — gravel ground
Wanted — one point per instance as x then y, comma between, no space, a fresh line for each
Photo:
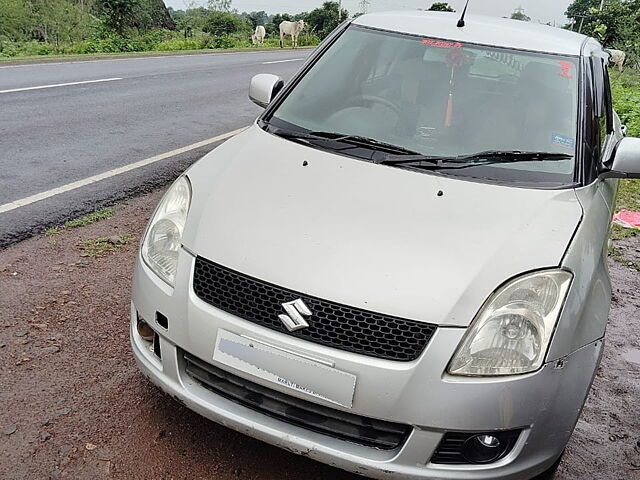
74,405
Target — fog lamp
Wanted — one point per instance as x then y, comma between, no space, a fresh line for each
488,441
144,330
482,449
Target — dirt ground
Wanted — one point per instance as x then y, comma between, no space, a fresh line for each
73,404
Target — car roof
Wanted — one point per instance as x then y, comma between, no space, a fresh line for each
478,29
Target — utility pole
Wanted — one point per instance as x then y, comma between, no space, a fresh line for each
601,5
364,5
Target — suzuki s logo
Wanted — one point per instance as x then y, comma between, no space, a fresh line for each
296,311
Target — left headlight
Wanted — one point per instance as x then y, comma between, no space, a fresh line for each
512,330
163,237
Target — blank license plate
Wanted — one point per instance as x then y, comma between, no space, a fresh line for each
284,368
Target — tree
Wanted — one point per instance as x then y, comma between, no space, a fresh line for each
160,16
220,5
256,18
119,15
122,15
176,15
580,8
519,14
441,7
15,20
223,23
193,19
60,21
617,25
322,21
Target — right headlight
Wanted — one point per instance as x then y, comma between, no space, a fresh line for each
163,238
512,330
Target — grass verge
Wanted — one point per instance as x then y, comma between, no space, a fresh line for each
628,195
97,247
155,53
94,217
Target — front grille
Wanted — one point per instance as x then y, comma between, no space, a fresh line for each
337,424
331,324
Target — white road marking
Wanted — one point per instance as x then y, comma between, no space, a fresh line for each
7,207
283,61
40,87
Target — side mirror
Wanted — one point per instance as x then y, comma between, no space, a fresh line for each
626,160
263,88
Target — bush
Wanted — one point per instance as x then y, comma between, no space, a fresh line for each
223,23
180,44
32,47
103,40
113,43
222,42
155,37
626,98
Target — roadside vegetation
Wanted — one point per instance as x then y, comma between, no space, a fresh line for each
97,247
55,231
626,98
75,27
94,217
92,247
616,24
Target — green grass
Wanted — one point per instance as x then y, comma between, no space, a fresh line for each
629,194
94,217
626,99
621,233
618,256
153,53
52,233
97,247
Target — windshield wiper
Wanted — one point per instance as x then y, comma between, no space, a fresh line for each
299,134
353,140
366,142
482,158
397,155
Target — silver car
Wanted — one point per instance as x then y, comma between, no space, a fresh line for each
400,268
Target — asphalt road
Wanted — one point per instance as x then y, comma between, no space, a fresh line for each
134,109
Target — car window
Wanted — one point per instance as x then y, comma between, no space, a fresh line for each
443,98
602,92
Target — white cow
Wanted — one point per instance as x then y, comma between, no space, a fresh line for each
617,58
291,28
258,36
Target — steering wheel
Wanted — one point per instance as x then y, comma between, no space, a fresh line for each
380,101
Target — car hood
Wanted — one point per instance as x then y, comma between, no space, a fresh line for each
414,245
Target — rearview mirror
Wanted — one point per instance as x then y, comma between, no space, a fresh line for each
264,87
626,160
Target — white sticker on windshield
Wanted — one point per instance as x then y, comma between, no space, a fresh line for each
563,140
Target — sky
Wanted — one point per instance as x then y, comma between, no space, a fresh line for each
539,10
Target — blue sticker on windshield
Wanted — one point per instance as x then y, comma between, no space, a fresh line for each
563,140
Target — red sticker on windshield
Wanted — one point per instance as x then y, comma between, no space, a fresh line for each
441,43
566,69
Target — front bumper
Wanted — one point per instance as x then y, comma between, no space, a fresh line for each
546,404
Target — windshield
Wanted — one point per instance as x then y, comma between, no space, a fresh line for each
442,99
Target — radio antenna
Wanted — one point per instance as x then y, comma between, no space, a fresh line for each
464,12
